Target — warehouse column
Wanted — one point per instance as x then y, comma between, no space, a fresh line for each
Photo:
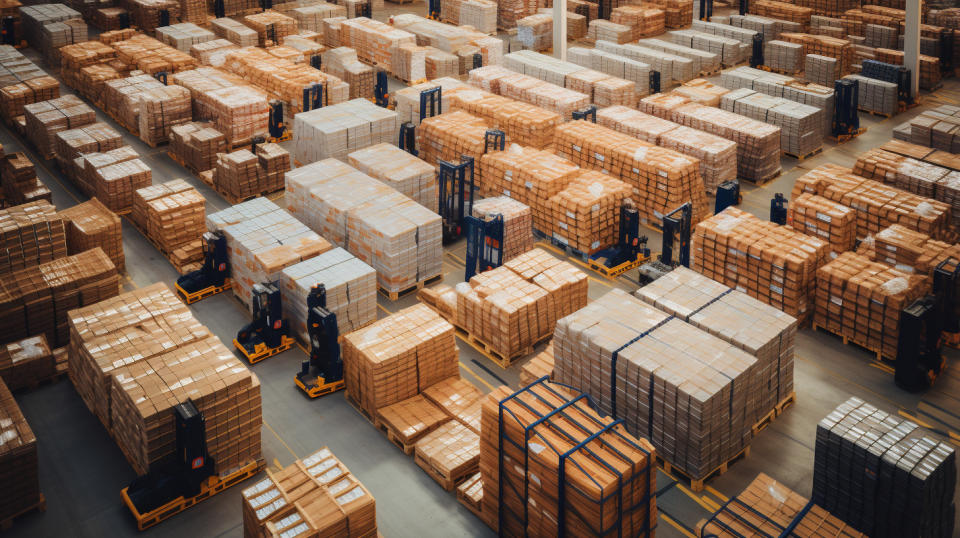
560,29
911,45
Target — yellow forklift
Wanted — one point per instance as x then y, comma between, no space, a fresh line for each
268,334
322,373
213,277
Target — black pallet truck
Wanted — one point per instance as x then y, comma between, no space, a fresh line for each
629,252
380,96
456,183
322,373
213,277
676,236
484,244
922,324
846,118
268,334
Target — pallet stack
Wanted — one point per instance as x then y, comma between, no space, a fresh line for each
535,91
116,184
478,14
373,40
783,56
351,288
586,213
162,109
912,175
517,223
935,128
262,240
509,12
337,130
184,35
399,170
121,99
461,41
26,363
877,205
242,174
72,143
152,56
452,135
30,235
145,15
46,118
311,17
801,126
821,70
677,13
90,225
320,498
18,461
784,275
661,179
235,31
521,122
776,85
617,495
172,215
930,73
238,110
13,97
213,52
783,11
49,26
909,463
196,145
271,27
535,32
35,304
644,21
20,182
395,235
342,63
841,49
820,217
717,155
440,64
75,57
397,357
902,247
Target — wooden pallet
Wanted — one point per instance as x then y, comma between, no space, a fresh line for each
696,485
777,70
447,482
176,158
842,139
774,413
356,405
40,506
394,295
476,509
181,268
875,113
57,375
805,156
878,354
394,437
764,181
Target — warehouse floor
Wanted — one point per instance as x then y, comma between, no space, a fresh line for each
82,471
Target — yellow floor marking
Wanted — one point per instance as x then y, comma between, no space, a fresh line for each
276,463
716,493
695,498
380,306
676,525
480,379
904,414
282,442
710,502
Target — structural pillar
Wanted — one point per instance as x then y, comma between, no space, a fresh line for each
560,29
911,45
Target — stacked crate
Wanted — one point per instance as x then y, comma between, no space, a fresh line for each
213,52
18,460
152,56
197,145
145,15
677,13
452,135
912,175
521,122
783,56
173,216
930,73
819,217
30,234
26,363
35,300
772,263
46,118
400,170
661,179
121,98
439,64
242,174
776,85
586,213
373,40
161,110
235,31
75,57
461,41
238,110
115,184
783,11
875,95
351,291
262,240
342,63
48,27
20,182
397,357
13,97
552,97
821,70
478,14
91,225
841,49
72,143
517,223
644,21
395,235
337,130
801,126
729,50
535,32
311,17
704,61
184,35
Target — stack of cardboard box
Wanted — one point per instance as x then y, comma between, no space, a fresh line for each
18,460
521,122
237,110
172,215
336,130
31,234
399,169
197,145
26,363
20,182
820,217
46,118
90,225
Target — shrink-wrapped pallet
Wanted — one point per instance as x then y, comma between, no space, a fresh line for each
90,225
20,182
673,68
336,130
821,69
453,39
79,55
47,27
817,216
452,450
242,174
396,236
552,97
782,11
398,357
677,13
13,97
147,15
161,110
604,30
776,85
877,205
408,99
31,234
841,49
235,31
34,303
728,49
876,95
373,40
450,136
121,99
115,184
184,35
644,21
46,118
73,143
783,56
26,363
173,215
408,62
586,213
409,420
478,14
400,170
342,63
535,32
109,18
660,179
800,125
351,291
237,110
704,61
517,223
311,17
775,264
152,56
521,122
19,461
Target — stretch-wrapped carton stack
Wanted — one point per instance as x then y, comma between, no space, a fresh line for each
783,56
48,27
115,184
398,357
121,99
930,73
20,182
235,31
704,62
19,461
373,40
87,165
533,90
145,15
197,145
729,50
535,32
335,131
237,110
262,240
152,56
677,13
184,35
517,223
90,225
760,330
439,64
937,128
457,40
173,215
75,57
622,467
14,95
820,217
822,45
409,63
776,85
673,68
717,155
772,263
614,65
876,95
801,126
411,419
633,360
661,179
315,496
603,30
905,248
511,11
450,136
782,10
311,17
26,363
109,18
242,174
72,143
821,70
521,122
408,99
586,213
644,21
479,14
162,109
351,288
271,27
395,235
36,299
877,205
46,118
342,63
400,170
31,234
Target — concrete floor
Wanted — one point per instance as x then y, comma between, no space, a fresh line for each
82,471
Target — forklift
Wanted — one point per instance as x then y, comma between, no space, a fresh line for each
433,10
922,327
430,104
213,277
587,114
276,128
676,233
456,184
728,194
381,97
484,244
185,477
323,372
846,118
268,334
629,252
312,97
778,209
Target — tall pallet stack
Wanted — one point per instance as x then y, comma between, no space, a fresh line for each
776,85
644,21
819,217
616,495
46,118
262,240
320,498
30,89
801,126
20,182
783,11
33,303
121,98
460,41
235,31
184,35
884,481
342,63
49,26
213,52
395,235
717,155
552,97
75,57
517,223
877,205
197,145
449,136
677,13
479,14
26,363
783,276
535,32
841,49
627,340
661,179
31,234
72,143
402,171
90,225
152,56
351,291
115,184
311,17
586,213
373,40
173,216
161,110
509,12
242,174
337,130
19,461
237,110
146,16
398,357
820,69
521,122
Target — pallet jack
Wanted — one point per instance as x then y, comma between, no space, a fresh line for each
276,128
629,252
213,277
268,334
922,327
185,477
676,233
323,372
778,209
484,244
728,194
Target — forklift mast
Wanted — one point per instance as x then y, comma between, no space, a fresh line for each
312,97
654,82
267,311
756,58
456,195
324,348
846,119
276,126
677,227
430,105
380,90
922,324
484,244
778,209
728,194
495,140
589,113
